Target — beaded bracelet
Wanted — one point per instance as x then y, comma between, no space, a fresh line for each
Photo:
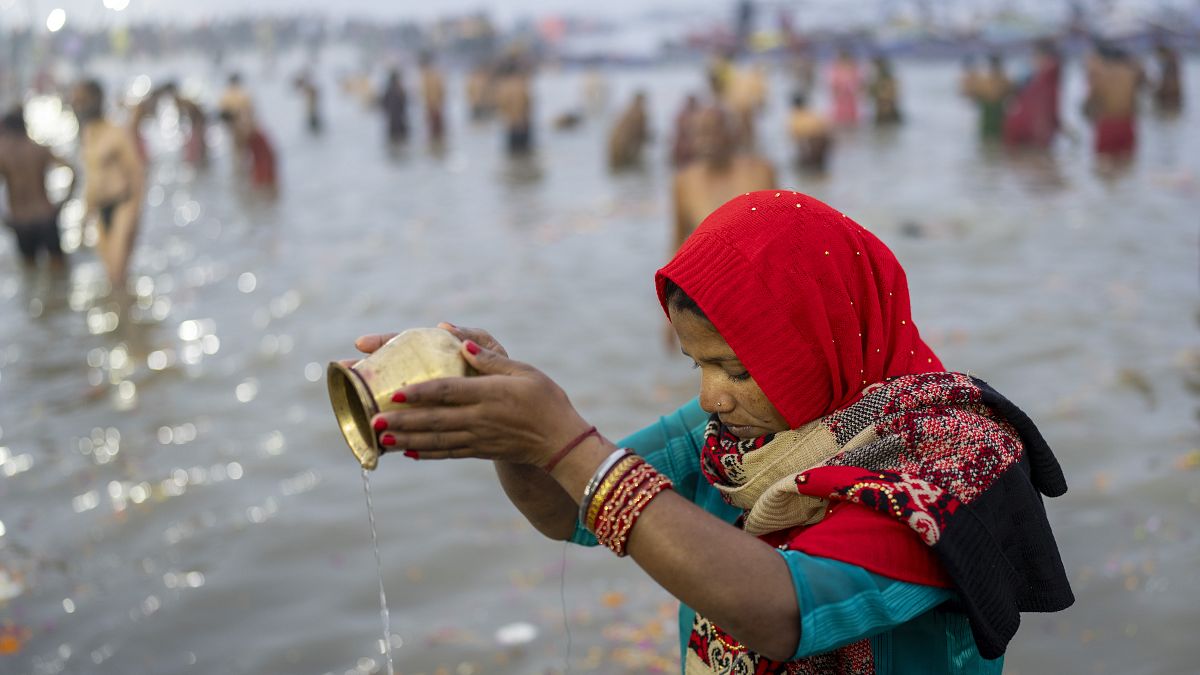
592,484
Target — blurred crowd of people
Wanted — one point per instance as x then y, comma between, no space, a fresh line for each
713,147
1026,113
112,159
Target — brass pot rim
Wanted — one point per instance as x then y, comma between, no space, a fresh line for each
356,434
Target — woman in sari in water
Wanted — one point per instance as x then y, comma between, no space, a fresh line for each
1031,119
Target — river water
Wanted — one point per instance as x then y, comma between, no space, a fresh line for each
175,497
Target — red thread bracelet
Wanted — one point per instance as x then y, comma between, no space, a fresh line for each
566,449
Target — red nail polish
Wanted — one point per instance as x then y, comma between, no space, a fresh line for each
380,424
387,439
399,397
411,454
472,347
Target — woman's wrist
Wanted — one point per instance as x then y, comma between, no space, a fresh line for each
566,449
575,470
538,497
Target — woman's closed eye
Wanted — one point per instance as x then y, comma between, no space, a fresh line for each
736,377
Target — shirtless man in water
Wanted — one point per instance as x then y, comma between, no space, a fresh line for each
990,90
481,92
811,133
195,145
717,174
250,143
31,214
433,93
515,102
1168,94
116,179
746,95
237,108
1114,79
630,134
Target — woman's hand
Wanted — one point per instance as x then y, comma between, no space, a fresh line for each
510,412
368,344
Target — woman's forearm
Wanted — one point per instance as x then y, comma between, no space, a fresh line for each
539,498
728,576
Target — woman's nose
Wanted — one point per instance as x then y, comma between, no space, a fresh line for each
712,398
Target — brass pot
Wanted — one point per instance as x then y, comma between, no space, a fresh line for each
360,392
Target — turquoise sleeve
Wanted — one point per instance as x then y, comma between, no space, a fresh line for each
842,603
671,445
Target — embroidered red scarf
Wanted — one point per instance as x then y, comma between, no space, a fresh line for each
911,450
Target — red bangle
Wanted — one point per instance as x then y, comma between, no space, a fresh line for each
621,510
625,520
566,449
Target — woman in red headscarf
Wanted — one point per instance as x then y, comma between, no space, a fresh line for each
832,502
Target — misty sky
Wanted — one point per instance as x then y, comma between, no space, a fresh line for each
91,13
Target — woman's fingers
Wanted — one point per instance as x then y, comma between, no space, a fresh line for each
477,335
455,453
509,411
460,333
449,391
367,344
489,362
461,391
424,441
448,418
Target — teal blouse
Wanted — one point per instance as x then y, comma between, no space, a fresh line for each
839,603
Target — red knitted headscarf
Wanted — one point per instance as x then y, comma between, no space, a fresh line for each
814,305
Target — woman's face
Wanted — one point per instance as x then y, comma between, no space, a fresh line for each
726,387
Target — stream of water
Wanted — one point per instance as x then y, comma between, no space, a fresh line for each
385,645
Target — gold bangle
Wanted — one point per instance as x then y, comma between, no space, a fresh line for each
600,474
617,497
604,489
606,486
605,519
